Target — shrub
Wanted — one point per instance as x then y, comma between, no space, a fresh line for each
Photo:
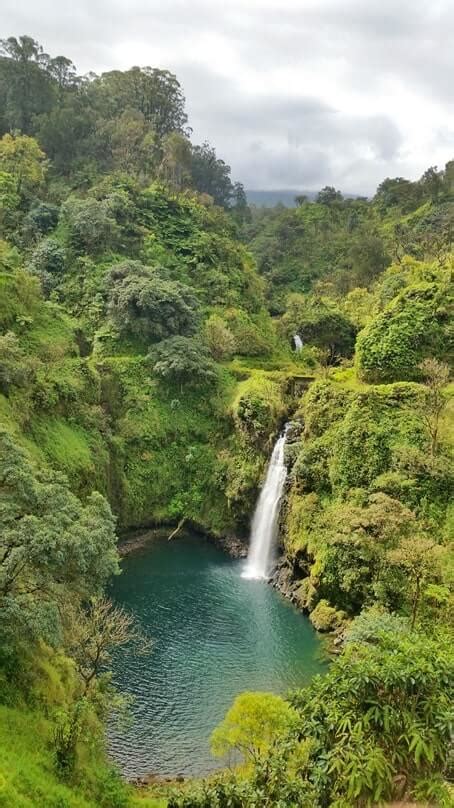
143,303
183,360
258,407
411,328
14,369
249,338
326,617
382,711
254,722
48,261
42,218
90,225
219,338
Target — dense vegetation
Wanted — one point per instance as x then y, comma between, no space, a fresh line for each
367,528
146,317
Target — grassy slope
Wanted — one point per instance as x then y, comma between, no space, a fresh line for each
27,774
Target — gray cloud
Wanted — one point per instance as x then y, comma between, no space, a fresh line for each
293,93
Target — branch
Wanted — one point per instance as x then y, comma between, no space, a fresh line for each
177,529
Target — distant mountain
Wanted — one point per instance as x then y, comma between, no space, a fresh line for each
268,199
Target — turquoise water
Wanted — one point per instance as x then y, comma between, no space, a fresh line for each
215,634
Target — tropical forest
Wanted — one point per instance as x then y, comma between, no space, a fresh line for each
226,466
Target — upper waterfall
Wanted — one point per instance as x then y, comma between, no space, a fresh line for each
265,521
298,342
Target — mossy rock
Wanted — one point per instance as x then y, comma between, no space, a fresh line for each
326,618
306,594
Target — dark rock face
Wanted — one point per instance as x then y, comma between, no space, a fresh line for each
138,540
284,580
233,546
294,431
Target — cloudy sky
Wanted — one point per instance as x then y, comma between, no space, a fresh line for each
293,93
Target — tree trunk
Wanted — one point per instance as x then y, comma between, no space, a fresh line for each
177,529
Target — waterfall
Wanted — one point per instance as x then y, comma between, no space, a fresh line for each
298,342
266,516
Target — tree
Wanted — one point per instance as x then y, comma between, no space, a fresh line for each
368,257
175,166
419,558
241,211
22,158
254,723
63,71
90,225
432,183
411,327
398,192
48,261
355,541
94,631
436,375
52,546
359,306
131,141
448,178
9,203
144,303
211,175
219,338
155,93
70,135
28,88
41,219
183,360
9,198
329,196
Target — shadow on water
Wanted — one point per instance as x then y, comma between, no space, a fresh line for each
215,634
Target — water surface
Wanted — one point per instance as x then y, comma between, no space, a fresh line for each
215,634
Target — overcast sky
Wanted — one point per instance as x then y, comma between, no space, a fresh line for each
293,93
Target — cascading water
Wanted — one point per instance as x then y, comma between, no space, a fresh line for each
265,521
298,342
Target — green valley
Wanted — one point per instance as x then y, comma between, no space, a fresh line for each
147,366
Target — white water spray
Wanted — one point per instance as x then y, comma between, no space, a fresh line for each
266,516
298,342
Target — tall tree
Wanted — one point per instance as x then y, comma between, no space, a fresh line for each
28,89
436,376
211,175
155,93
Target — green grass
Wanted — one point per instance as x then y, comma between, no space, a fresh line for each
27,778
65,446
348,379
